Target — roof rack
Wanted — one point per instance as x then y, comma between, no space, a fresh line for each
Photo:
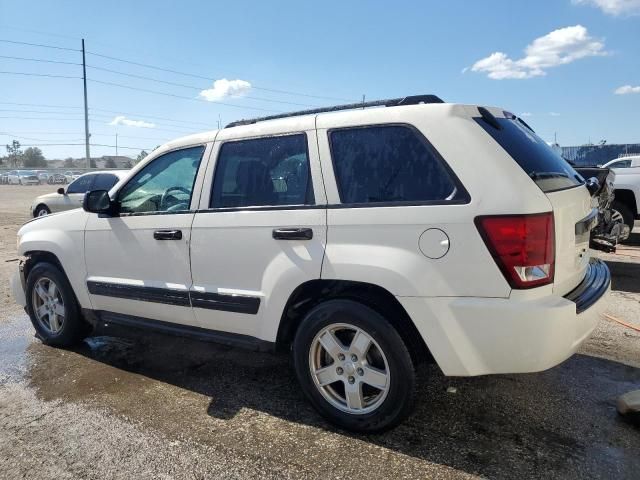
392,102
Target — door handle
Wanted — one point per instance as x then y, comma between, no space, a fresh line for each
167,234
292,233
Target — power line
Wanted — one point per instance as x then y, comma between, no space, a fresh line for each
176,96
37,105
193,87
144,115
38,75
93,134
40,45
168,70
193,75
39,111
41,118
39,60
81,145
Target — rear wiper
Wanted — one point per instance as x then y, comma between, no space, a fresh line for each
542,175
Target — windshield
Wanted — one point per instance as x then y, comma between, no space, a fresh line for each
545,167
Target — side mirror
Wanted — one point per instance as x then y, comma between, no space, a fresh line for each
97,201
593,185
61,191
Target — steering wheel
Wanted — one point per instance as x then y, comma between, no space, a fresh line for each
167,194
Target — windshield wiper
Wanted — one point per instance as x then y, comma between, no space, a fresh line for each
543,175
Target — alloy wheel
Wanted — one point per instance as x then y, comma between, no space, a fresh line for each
48,305
349,368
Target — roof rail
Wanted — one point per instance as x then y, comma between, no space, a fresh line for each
392,102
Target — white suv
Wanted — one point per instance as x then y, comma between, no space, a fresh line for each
363,240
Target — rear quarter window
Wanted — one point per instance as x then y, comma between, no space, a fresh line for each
390,164
546,168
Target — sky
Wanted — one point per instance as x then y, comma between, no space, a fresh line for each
571,68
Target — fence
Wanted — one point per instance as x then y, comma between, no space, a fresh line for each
588,155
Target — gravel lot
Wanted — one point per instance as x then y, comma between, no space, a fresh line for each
172,408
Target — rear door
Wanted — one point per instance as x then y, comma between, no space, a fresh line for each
260,231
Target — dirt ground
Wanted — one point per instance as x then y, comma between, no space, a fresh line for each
171,408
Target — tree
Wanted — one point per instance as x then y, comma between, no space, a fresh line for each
141,156
33,158
127,164
92,163
110,163
68,162
14,153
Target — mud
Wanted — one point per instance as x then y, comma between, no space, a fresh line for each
159,407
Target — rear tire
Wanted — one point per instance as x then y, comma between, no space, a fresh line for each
364,381
625,212
52,306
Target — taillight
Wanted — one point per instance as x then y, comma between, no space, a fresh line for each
523,246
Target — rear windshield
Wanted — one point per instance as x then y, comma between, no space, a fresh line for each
545,167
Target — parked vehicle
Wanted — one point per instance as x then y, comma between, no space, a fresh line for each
4,178
56,178
72,175
362,240
624,162
43,176
626,189
72,196
23,177
610,229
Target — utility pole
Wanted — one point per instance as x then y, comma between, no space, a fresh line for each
86,109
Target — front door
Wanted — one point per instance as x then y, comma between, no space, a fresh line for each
260,231
138,261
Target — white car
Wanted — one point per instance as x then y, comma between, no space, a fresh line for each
23,177
71,175
71,197
362,240
626,185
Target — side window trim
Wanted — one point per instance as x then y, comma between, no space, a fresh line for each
464,197
197,181
208,207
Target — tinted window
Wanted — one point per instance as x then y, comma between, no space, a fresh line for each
621,164
389,164
104,181
81,184
263,171
548,169
164,185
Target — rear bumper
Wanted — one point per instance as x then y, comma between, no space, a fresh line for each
478,336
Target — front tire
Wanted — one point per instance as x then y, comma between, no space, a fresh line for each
354,367
52,306
41,211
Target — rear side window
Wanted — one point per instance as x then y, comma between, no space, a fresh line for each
390,163
263,172
104,181
545,167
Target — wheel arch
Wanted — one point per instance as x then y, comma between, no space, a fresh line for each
628,198
313,292
35,209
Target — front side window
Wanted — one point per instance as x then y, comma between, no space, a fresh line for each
164,185
389,163
263,172
81,184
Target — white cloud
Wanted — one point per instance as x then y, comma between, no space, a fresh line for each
613,7
122,120
526,114
225,88
626,89
559,47
554,114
